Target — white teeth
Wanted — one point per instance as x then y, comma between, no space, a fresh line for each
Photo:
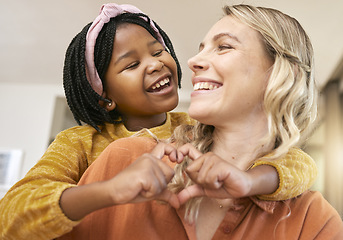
160,83
204,86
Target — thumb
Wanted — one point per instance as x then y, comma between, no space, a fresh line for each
190,192
169,197
188,150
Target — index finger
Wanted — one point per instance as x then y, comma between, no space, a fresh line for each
188,150
170,197
162,149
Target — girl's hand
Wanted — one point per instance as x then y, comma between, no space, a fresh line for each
213,176
145,179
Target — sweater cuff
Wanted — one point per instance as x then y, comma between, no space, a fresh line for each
62,223
277,195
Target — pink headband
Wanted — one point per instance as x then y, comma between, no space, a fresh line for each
108,11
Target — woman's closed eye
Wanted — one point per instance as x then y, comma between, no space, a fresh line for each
224,47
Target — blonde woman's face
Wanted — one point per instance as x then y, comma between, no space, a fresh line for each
230,74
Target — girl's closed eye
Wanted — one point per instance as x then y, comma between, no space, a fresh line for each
131,66
158,53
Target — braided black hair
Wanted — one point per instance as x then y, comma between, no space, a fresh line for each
83,101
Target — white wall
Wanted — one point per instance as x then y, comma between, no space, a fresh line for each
26,117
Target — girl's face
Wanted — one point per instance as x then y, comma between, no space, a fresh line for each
142,77
230,74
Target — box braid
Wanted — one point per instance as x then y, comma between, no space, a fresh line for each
83,101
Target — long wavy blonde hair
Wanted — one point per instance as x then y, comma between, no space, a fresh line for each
290,100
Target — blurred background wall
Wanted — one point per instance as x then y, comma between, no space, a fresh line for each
35,35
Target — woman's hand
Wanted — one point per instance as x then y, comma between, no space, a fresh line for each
145,179
213,176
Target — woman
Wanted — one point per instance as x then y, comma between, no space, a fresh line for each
254,76
255,97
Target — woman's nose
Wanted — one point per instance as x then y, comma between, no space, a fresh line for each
198,62
155,65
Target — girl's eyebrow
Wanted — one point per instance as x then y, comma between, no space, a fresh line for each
220,35
153,43
127,54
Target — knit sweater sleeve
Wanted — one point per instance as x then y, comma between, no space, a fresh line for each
30,209
297,172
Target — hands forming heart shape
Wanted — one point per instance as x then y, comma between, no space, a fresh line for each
213,176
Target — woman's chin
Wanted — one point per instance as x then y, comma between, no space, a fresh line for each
198,114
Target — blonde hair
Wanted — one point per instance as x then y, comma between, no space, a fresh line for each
290,99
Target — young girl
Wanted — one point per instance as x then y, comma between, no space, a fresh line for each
121,75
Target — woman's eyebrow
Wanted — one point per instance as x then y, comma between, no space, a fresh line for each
226,34
220,35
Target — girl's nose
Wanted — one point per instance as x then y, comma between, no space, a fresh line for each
155,66
198,62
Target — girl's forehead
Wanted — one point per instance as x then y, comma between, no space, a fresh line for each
130,30
126,26
132,40
139,29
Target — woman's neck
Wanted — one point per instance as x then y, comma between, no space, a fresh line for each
136,123
240,145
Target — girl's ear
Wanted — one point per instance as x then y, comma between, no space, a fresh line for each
109,106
